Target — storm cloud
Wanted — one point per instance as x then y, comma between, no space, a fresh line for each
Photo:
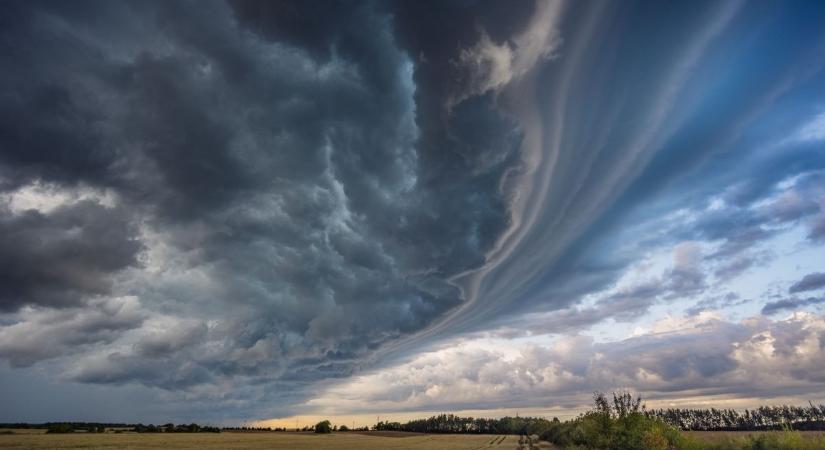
240,204
269,192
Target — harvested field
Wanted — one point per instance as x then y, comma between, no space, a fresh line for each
291,441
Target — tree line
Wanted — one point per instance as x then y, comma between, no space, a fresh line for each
172,428
622,422
811,417
449,423
102,427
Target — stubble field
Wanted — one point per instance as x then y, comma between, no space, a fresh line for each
37,439
292,441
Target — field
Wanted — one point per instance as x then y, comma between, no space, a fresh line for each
291,441
737,439
36,439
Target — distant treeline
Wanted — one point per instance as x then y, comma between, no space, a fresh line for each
449,423
623,423
172,428
801,418
76,425
101,427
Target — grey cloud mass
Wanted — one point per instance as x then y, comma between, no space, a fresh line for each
238,204
62,257
278,194
810,282
790,304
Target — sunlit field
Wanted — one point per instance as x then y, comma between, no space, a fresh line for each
296,441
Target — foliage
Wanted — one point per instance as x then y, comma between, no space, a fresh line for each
172,428
625,424
810,417
449,423
60,428
323,426
618,425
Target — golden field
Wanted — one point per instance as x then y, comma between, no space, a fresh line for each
251,440
37,439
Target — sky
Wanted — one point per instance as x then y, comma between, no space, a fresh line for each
276,211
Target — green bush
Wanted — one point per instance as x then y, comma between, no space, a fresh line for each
620,426
323,426
625,426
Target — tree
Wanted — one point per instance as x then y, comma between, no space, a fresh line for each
343,428
61,428
323,426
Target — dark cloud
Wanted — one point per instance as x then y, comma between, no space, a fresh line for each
46,333
593,214
276,167
791,304
293,188
60,258
809,282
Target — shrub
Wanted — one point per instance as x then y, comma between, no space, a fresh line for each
323,426
60,428
620,426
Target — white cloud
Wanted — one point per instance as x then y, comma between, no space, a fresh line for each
45,198
494,65
678,357
813,130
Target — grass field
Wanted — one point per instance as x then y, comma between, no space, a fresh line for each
771,439
292,441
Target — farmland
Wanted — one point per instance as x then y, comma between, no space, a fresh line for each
757,439
292,441
39,440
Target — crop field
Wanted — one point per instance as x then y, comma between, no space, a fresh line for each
291,441
736,439
37,439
